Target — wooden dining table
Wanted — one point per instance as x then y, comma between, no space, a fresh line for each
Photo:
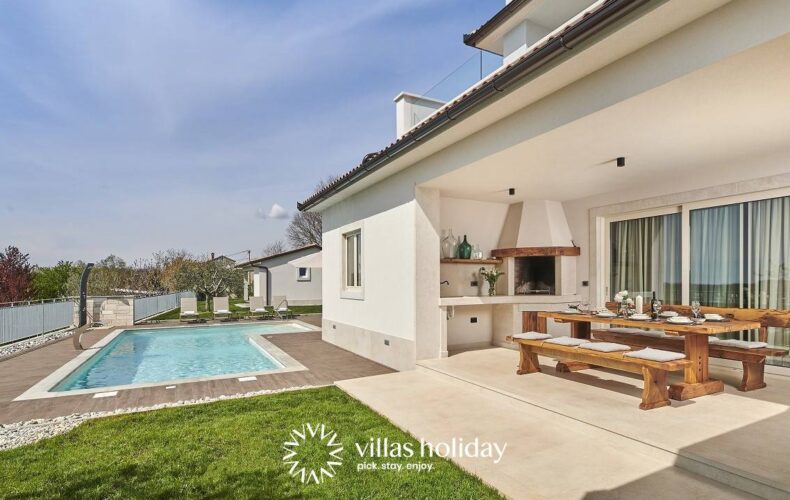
696,380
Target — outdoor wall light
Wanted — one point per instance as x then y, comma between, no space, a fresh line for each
621,161
511,191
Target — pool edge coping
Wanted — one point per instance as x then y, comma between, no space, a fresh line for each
41,389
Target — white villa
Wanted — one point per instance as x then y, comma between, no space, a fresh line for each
281,276
622,144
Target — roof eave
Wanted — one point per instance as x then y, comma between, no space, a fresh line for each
509,10
604,16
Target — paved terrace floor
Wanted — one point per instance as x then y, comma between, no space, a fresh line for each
325,364
581,435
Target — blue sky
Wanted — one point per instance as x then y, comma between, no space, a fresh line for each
128,127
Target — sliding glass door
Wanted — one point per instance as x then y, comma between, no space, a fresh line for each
738,256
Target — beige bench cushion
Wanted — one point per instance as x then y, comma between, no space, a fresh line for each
570,341
532,336
605,346
743,344
655,355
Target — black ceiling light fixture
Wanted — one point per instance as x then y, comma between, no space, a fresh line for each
511,191
621,161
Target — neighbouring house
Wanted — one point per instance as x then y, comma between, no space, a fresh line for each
622,143
222,259
278,275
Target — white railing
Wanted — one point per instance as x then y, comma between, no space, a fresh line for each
22,320
147,307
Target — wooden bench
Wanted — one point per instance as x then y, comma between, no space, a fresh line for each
655,393
753,359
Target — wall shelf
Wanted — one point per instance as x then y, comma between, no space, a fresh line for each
479,262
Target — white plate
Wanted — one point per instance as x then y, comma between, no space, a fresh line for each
570,311
636,317
606,315
714,317
680,320
668,314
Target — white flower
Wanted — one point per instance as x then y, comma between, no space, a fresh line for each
630,302
618,298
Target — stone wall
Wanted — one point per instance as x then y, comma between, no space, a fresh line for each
112,311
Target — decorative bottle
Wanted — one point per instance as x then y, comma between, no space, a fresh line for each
653,308
464,250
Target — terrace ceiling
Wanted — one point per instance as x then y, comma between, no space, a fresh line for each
701,128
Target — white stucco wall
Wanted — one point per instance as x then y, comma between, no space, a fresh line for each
385,215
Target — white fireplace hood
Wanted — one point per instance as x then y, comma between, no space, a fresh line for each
535,224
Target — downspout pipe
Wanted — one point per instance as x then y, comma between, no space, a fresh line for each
587,27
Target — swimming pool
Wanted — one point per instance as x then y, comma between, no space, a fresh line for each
149,356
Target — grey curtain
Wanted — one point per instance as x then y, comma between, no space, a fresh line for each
645,256
715,278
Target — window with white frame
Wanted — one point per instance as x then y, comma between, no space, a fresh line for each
352,250
303,274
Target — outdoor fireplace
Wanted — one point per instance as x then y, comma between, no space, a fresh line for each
535,275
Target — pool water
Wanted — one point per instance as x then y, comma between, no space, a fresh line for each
170,354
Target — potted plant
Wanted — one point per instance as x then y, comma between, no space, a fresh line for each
491,277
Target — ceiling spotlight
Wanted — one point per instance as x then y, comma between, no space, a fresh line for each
621,161
511,191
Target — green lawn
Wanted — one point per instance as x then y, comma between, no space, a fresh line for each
224,449
204,313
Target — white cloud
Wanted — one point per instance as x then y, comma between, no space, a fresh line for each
276,212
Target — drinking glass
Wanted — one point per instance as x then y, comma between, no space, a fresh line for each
695,308
657,307
584,307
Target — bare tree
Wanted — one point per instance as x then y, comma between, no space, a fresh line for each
305,227
273,248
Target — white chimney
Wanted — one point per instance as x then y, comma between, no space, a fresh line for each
535,223
516,41
411,109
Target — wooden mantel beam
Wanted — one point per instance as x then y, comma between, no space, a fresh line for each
537,252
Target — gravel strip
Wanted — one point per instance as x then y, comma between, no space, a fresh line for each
31,343
23,433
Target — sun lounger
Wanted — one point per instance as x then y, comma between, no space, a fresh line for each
221,308
258,308
189,310
282,310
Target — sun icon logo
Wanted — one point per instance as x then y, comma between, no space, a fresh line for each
313,453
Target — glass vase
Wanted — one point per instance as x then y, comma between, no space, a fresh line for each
448,245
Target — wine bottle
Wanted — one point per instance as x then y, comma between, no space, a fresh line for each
653,312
